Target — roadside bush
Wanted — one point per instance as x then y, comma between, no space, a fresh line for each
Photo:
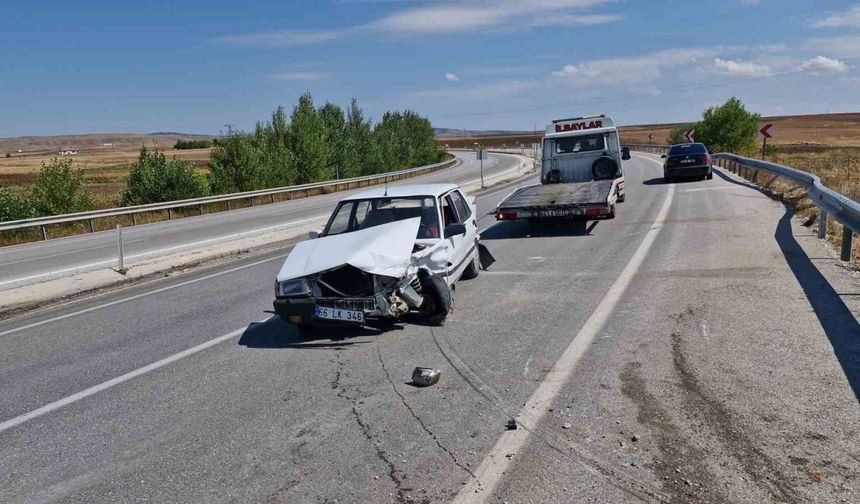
154,178
13,207
729,128
192,144
59,189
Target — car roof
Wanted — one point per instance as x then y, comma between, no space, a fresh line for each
402,190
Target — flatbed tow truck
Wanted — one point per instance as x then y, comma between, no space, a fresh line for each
581,174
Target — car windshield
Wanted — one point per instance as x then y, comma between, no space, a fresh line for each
355,215
687,149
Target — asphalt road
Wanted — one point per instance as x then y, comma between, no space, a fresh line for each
690,350
39,261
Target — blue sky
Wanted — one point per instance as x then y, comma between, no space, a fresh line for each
193,66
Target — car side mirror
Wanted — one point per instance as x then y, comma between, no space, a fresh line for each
625,153
663,156
455,229
313,235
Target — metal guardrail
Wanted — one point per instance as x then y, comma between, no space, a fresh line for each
334,185
843,209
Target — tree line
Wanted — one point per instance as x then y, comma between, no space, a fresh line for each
311,144
723,128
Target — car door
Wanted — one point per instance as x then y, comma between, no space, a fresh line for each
456,244
464,245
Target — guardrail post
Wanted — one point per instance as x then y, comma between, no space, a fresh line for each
120,258
754,176
252,200
44,233
822,224
92,228
847,236
134,219
273,197
169,214
201,209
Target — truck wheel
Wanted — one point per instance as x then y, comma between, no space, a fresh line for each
611,213
472,269
621,198
437,299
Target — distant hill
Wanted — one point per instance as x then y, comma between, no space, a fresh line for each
92,141
451,132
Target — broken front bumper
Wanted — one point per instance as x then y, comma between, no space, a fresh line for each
300,311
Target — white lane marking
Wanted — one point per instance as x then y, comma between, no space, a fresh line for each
18,420
161,251
138,296
495,463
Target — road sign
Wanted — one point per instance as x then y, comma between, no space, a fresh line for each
482,154
765,131
650,137
689,136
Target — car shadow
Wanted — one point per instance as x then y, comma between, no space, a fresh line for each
274,333
661,181
837,320
545,229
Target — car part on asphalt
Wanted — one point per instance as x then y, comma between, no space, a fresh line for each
425,377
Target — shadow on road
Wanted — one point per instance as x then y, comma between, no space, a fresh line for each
835,318
275,333
547,229
660,181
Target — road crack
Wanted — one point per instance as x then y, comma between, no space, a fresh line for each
417,418
337,385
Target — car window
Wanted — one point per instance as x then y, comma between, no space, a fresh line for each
460,205
363,214
687,149
449,214
579,144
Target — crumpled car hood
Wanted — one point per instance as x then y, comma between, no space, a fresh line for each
380,250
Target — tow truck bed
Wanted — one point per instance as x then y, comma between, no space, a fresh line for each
572,199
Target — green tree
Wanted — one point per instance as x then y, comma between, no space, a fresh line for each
676,136
60,189
334,125
728,128
238,163
311,152
14,207
357,143
154,178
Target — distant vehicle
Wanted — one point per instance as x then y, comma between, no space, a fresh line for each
687,161
383,253
581,174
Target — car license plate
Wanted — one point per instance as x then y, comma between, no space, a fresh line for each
323,312
567,212
688,161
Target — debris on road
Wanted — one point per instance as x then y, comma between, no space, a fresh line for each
424,377
511,424
567,425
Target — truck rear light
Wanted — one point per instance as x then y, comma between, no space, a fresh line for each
506,216
595,211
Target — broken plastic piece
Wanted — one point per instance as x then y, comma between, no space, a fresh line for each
511,424
424,377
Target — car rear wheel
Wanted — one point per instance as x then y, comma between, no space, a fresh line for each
710,175
473,269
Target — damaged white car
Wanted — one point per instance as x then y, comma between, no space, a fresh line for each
383,253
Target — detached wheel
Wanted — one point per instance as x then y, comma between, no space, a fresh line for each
473,269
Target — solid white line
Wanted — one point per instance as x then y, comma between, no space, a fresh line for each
18,420
161,251
138,296
495,463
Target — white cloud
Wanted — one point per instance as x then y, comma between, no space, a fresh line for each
299,76
847,18
632,71
479,93
748,3
823,64
741,68
447,17
284,38
451,77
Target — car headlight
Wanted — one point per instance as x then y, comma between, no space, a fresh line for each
291,288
